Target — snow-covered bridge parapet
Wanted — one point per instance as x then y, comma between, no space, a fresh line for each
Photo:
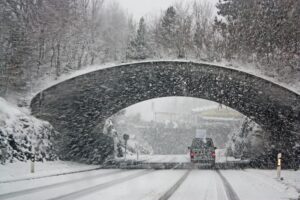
78,105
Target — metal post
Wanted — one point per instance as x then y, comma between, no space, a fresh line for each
125,137
137,152
115,139
32,161
279,165
125,150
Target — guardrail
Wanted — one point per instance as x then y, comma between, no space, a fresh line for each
177,165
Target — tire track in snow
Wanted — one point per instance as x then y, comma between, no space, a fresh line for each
207,189
171,191
221,191
45,187
231,195
89,190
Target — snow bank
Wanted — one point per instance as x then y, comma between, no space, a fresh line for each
21,170
291,178
20,132
249,186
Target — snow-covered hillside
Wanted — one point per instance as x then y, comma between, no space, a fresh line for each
19,132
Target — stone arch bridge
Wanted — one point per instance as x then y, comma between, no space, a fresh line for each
79,104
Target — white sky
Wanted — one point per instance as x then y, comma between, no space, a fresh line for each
167,104
139,8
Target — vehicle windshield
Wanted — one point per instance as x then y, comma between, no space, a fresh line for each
149,99
202,143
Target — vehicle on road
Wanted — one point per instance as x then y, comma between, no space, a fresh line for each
202,150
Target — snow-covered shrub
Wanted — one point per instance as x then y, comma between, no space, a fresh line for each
249,141
22,135
134,144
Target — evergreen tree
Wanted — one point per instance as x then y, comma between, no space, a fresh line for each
167,31
174,32
168,26
141,42
138,48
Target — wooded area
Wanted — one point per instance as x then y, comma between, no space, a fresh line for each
51,37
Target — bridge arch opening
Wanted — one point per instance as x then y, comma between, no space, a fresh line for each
168,125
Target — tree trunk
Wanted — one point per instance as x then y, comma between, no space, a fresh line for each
79,65
53,55
58,60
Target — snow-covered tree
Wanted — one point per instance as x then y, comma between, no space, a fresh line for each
262,31
249,141
203,30
183,34
166,31
138,48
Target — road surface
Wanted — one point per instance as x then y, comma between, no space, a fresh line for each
180,158
115,184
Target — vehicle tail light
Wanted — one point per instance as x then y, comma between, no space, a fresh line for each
213,154
192,154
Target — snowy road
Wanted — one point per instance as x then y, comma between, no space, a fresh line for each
113,184
180,158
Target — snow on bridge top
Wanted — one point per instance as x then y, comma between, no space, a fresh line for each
47,82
